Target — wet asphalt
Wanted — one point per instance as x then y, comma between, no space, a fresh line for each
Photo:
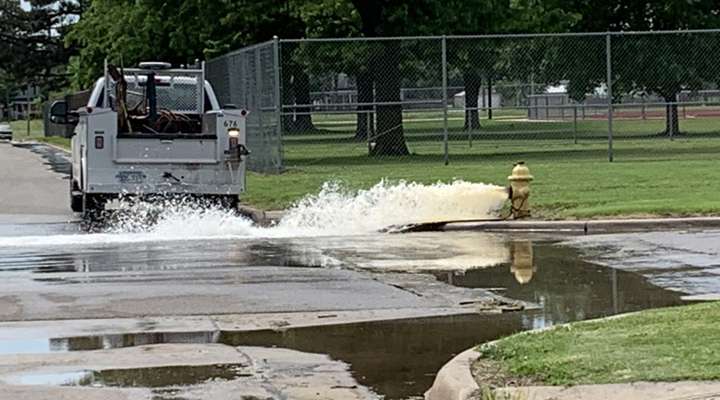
70,277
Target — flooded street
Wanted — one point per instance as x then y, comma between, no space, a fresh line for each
181,302
396,359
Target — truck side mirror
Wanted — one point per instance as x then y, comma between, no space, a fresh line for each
59,114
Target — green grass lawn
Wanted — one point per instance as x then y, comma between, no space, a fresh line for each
650,175
20,132
658,177
672,344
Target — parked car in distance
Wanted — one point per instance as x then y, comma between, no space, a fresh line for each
5,131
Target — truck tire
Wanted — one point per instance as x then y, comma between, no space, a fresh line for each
76,200
93,204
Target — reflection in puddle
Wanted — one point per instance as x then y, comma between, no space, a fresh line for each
522,265
72,378
129,340
567,288
150,377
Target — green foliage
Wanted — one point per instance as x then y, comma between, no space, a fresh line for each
177,31
659,345
32,48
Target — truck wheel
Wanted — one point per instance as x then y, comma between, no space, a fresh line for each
94,205
76,203
76,200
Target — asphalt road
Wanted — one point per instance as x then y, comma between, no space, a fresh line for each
195,281
51,269
202,278
31,190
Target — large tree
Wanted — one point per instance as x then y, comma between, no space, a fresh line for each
664,65
181,31
33,51
384,18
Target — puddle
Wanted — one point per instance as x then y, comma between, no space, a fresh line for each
567,288
152,377
103,342
397,359
73,378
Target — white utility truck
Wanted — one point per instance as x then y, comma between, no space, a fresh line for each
154,131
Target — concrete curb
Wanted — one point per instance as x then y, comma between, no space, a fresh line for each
25,143
588,226
261,217
454,381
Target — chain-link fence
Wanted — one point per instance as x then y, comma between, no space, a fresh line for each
249,78
324,102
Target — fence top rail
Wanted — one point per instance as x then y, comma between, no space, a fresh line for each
243,50
501,36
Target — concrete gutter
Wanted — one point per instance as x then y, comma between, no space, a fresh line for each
261,217
587,226
266,218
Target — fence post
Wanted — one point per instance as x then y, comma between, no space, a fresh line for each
608,61
28,109
278,99
258,92
575,123
445,100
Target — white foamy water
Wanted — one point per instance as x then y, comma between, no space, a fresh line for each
334,211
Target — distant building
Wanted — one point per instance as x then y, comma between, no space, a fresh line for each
20,102
495,101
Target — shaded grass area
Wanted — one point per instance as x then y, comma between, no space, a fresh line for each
671,344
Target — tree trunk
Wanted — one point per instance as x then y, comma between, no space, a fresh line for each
672,123
365,95
287,99
390,137
471,81
301,88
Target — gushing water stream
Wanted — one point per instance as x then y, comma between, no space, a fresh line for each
334,211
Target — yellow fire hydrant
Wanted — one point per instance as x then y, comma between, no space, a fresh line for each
520,190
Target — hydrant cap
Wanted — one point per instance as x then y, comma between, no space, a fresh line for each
520,172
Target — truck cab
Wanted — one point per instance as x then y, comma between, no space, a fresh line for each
154,131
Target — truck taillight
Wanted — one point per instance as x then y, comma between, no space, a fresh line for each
99,142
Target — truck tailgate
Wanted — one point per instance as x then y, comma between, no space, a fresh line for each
153,150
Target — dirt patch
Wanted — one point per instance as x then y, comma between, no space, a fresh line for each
489,373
